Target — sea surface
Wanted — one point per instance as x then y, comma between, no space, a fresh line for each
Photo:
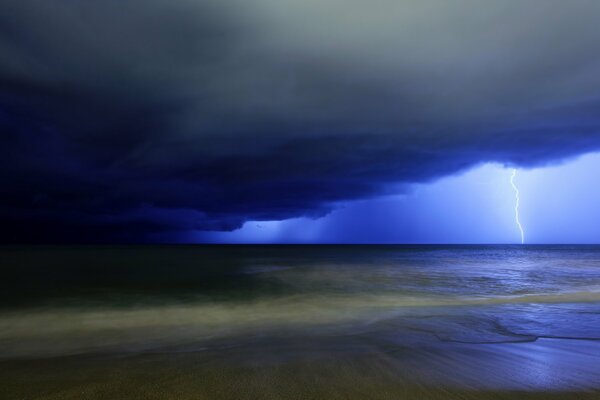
299,321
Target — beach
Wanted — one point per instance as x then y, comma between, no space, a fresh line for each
300,322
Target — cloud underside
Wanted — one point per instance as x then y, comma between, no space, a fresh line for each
120,119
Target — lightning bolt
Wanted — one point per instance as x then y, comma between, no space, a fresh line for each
516,189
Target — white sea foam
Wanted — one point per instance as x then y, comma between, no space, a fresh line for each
59,331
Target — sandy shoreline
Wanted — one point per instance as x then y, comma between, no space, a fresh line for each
547,369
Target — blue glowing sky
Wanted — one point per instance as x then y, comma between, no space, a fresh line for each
558,204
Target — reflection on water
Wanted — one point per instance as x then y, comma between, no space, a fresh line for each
456,315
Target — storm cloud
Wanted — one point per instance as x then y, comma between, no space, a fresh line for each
119,119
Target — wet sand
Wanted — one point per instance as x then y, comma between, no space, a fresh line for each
544,369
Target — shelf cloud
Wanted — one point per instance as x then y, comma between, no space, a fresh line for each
119,119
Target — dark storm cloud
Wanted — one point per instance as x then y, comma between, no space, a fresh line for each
125,118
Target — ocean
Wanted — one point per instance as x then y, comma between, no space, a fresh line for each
299,321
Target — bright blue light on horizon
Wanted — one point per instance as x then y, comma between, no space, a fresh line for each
557,204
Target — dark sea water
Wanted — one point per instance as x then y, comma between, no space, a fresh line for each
469,317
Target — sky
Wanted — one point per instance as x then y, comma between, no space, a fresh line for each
281,121
557,204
